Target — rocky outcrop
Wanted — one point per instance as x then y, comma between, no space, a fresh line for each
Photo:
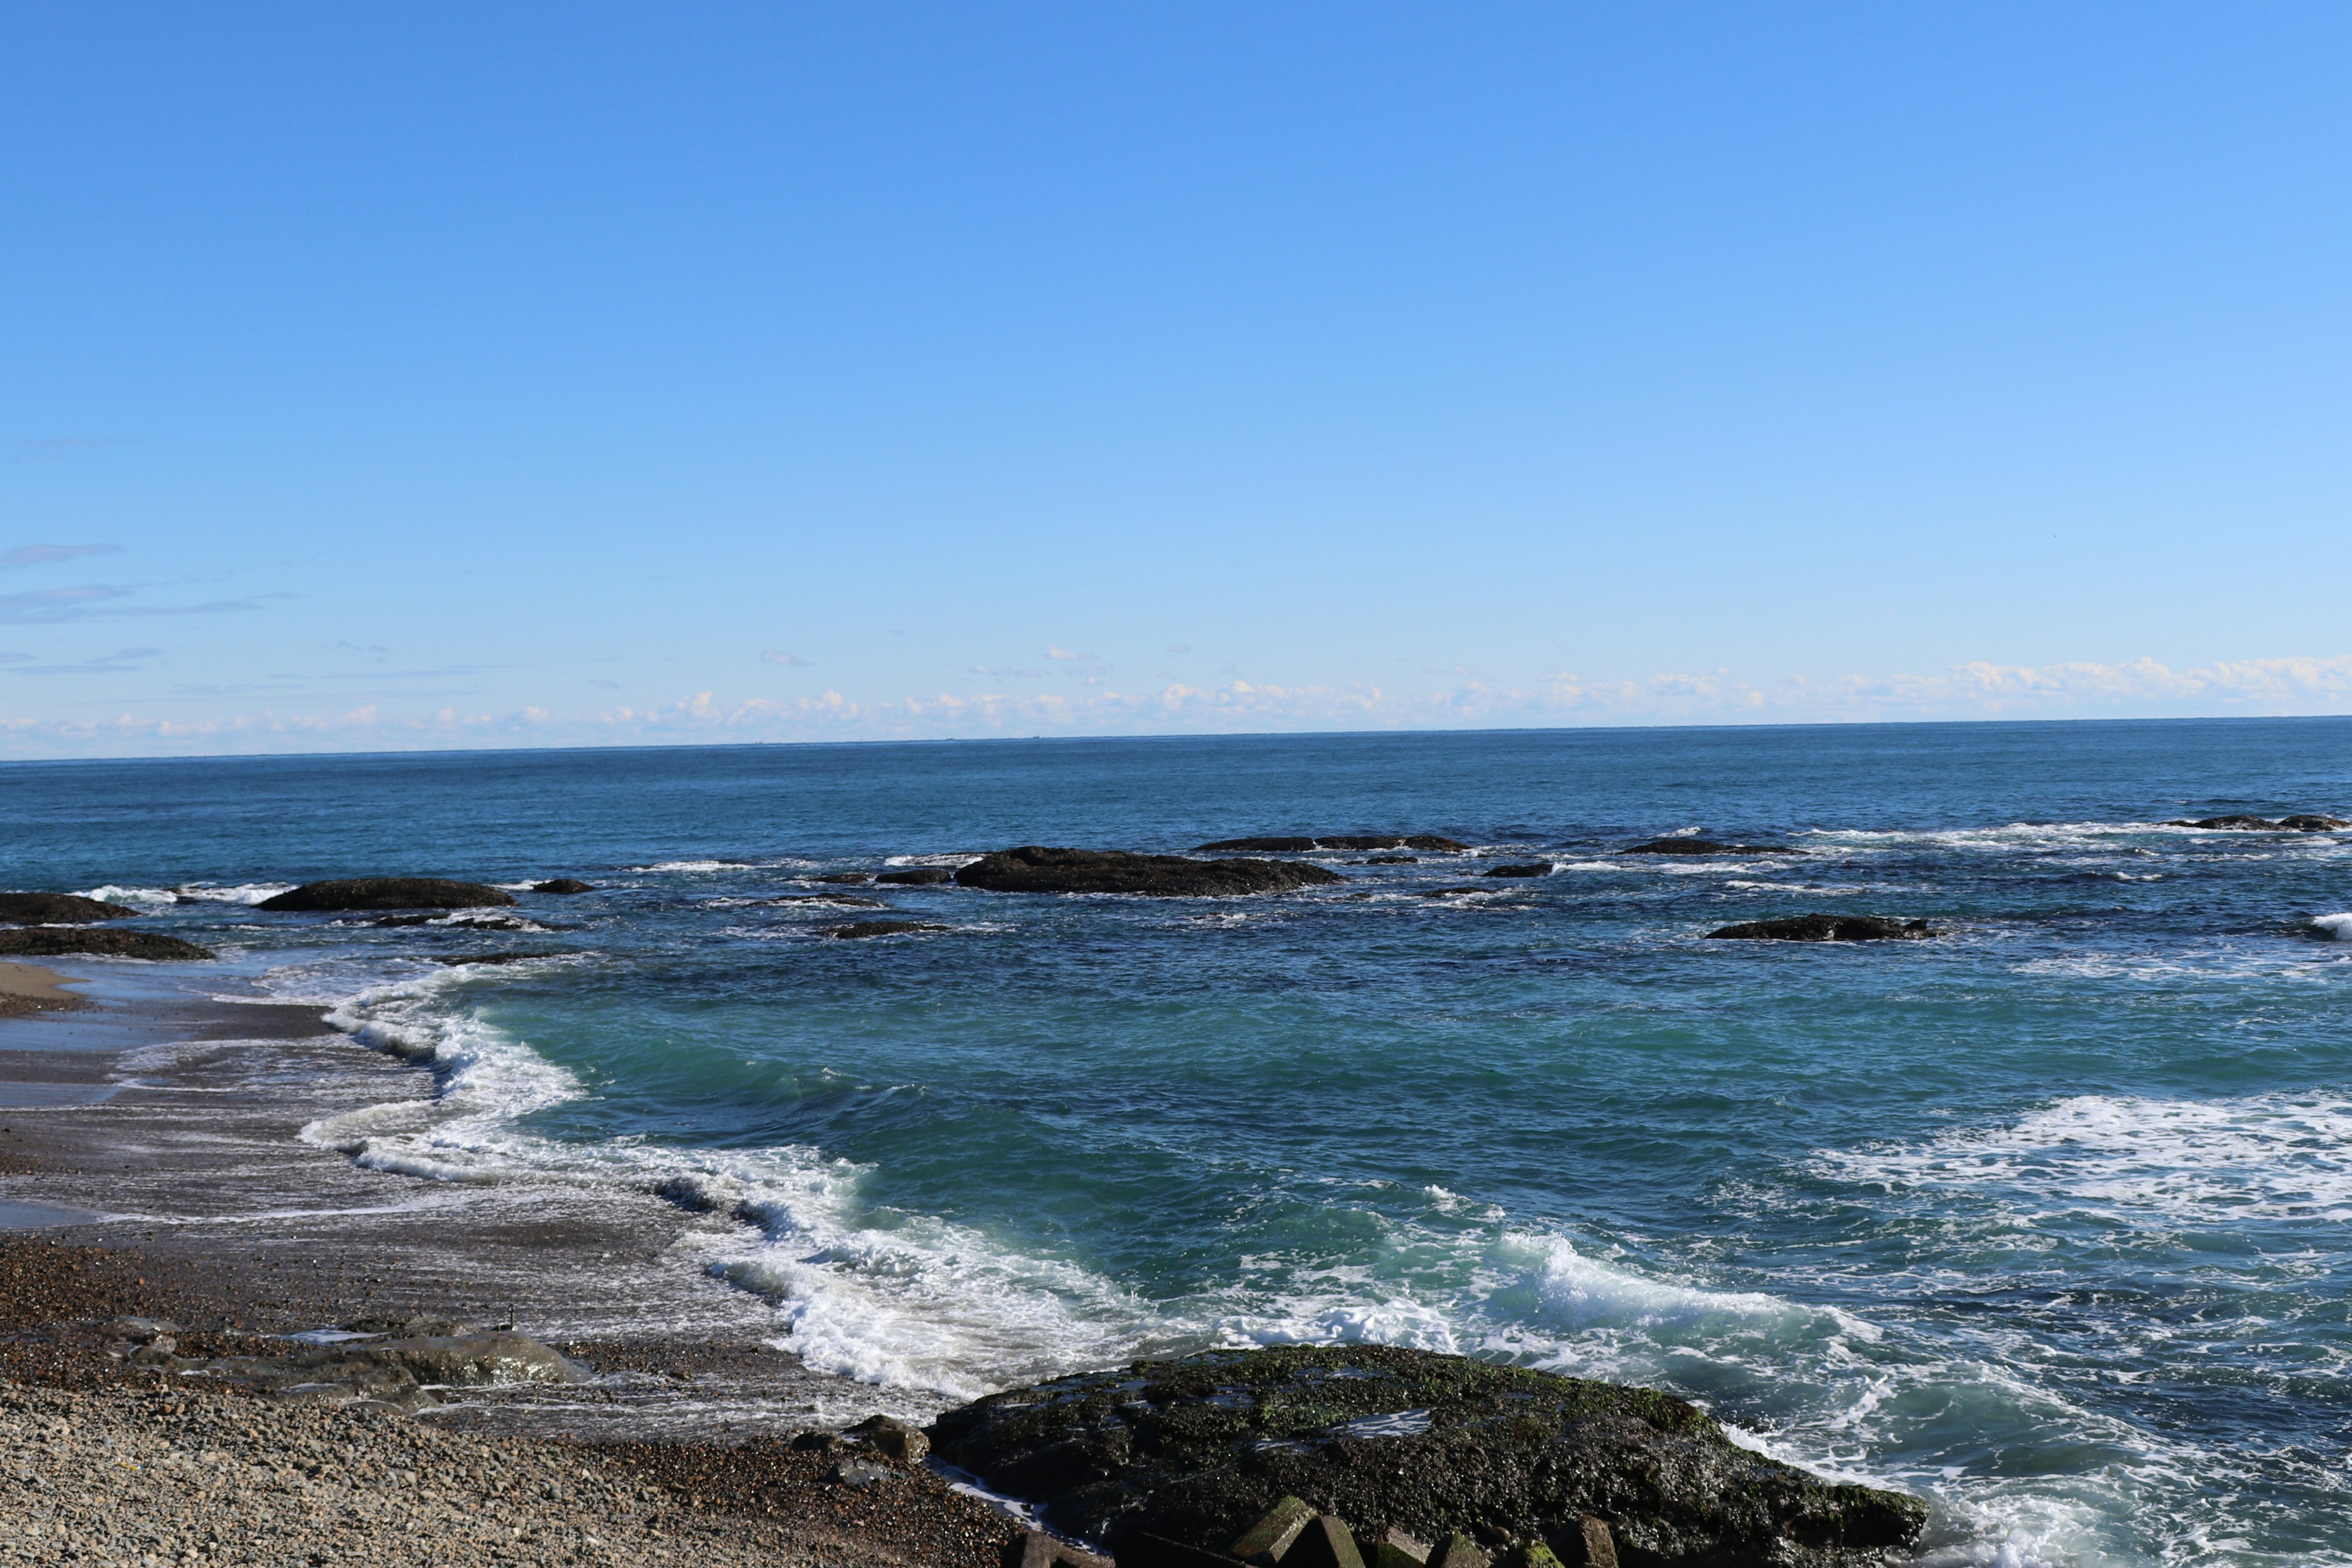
2301,823
58,908
1034,868
2307,822
389,893
1705,847
1828,928
917,877
1430,841
1527,869
858,930
1197,1451
565,885
56,941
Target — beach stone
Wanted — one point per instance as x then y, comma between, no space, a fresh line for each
1588,1545
566,885
857,930
1530,868
1828,928
1196,1449
889,1436
56,942
58,908
389,893
1706,847
1034,868
917,877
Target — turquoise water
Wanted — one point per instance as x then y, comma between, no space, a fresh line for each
2047,1218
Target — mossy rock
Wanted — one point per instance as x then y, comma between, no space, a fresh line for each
1197,1450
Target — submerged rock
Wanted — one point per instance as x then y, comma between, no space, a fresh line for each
1034,868
1196,1451
1344,841
917,877
1706,847
1828,928
860,929
2307,822
562,885
56,942
389,893
844,877
58,908
1530,868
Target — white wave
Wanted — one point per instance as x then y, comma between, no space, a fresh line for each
1587,866
952,861
2336,926
2218,1162
695,866
192,892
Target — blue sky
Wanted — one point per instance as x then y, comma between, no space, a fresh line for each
375,378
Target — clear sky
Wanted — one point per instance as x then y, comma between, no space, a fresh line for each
427,375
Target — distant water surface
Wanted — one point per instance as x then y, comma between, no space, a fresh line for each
2050,1219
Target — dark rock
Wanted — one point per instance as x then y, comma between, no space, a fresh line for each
2307,822
389,893
1457,1551
1344,841
888,1435
1828,928
917,877
55,941
860,929
562,885
2240,824
58,908
1326,1542
1143,1549
1586,1544
844,877
821,1442
1032,868
1392,860
846,900
1706,847
1531,869
1196,1449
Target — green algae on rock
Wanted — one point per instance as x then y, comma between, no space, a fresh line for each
1196,1449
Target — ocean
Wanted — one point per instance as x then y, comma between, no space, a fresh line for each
2048,1219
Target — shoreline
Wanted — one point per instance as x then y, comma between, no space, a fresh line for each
165,1134
33,988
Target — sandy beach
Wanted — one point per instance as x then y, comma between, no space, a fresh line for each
152,1165
30,988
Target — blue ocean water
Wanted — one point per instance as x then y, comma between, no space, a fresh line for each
2050,1219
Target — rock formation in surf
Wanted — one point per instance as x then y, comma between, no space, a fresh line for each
2306,822
1197,1451
1705,847
389,893
1828,928
103,942
566,885
58,908
1430,841
1032,868
857,930
1527,869
917,877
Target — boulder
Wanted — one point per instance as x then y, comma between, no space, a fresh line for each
1034,868
858,929
562,885
1828,928
1194,1451
917,877
1344,841
2308,822
1530,868
1705,847
389,893
56,942
890,1436
58,908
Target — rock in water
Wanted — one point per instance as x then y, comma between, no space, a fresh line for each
1705,847
917,877
58,908
389,893
1196,1450
2302,822
1032,868
856,929
1349,841
56,942
2307,822
562,885
1828,928
1530,868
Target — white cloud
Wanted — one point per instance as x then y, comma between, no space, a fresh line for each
778,656
1063,653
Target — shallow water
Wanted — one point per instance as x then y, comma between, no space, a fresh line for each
2046,1218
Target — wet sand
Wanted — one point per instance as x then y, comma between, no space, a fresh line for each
166,1133
30,988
